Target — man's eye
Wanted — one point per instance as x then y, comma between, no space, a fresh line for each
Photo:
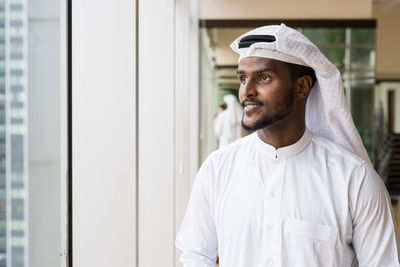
243,79
264,78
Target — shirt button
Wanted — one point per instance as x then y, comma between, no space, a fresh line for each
270,262
275,161
273,193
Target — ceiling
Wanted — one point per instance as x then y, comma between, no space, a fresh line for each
386,5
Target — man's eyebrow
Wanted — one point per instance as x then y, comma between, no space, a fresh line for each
265,70
257,71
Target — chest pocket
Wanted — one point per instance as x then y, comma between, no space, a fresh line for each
308,244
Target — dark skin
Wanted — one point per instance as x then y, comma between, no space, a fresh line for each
272,101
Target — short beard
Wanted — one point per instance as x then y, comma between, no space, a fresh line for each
266,120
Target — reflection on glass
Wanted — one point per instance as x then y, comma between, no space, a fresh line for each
13,136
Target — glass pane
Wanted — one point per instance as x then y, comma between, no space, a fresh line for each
13,146
363,36
362,58
325,36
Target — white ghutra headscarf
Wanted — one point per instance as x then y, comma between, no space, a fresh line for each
327,113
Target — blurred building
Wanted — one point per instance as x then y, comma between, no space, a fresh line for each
13,135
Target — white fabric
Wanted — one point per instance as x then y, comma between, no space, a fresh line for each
262,207
327,113
227,126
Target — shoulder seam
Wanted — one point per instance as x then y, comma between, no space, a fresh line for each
340,147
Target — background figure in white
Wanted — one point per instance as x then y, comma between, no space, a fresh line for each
227,124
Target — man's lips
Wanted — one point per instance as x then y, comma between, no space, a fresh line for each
250,105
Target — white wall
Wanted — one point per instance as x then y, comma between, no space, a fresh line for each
104,133
44,133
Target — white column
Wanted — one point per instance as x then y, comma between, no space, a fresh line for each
156,132
104,133
186,107
168,124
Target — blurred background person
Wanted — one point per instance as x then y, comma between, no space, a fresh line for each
227,124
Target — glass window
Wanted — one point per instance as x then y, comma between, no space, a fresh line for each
362,58
325,36
363,37
13,146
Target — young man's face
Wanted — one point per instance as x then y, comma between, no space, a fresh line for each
266,91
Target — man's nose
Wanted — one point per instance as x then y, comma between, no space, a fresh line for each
249,89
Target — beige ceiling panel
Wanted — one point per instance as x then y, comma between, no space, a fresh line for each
285,9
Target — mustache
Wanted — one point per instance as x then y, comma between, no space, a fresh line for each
248,101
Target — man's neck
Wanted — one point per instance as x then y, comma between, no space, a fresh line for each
282,135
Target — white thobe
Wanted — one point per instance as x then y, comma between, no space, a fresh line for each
225,130
310,204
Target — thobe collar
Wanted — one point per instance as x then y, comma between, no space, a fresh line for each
284,152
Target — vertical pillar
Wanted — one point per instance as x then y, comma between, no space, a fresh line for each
104,133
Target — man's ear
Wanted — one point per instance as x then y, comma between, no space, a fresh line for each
303,86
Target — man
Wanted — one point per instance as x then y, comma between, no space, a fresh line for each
300,191
227,123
